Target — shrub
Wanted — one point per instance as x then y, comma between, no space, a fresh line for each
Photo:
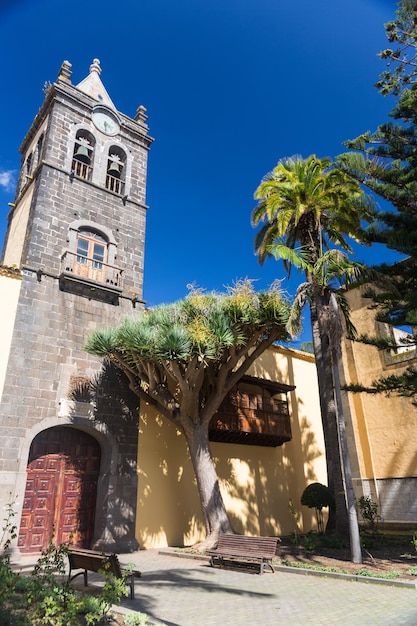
368,510
317,496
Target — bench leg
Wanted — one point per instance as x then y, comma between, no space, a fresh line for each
263,563
132,586
84,574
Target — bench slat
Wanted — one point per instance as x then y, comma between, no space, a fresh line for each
90,560
244,548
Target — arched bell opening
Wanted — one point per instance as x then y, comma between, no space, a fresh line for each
82,158
116,170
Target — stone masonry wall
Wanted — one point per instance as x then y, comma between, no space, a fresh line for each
51,326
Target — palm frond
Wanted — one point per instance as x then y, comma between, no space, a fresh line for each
298,257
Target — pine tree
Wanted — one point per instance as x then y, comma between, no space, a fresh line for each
385,161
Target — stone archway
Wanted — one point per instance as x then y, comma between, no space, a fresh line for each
61,489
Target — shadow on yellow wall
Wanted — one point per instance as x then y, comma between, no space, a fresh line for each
256,482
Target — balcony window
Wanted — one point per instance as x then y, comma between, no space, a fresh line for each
91,255
87,267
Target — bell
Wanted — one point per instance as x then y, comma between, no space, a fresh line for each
114,170
82,155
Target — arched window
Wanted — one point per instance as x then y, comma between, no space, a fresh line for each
88,265
39,147
116,170
28,166
82,158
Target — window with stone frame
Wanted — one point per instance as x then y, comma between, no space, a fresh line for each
82,159
91,255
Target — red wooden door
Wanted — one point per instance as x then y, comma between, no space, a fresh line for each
61,489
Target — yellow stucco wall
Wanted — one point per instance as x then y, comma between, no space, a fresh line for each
256,482
10,283
18,230
385,428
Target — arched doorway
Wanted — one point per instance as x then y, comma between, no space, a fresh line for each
61,489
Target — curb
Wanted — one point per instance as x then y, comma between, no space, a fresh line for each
391,582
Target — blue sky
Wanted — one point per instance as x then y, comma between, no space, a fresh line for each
230,87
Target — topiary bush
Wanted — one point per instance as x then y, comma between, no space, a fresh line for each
317,496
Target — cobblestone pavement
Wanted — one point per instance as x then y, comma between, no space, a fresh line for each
188,592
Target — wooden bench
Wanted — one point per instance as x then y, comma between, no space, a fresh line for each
243,548
90,560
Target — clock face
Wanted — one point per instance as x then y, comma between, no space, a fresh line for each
106,122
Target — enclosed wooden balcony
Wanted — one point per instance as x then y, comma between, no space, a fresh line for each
255,414
91,278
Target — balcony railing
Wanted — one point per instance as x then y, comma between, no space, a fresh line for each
81,169
253,419
90,277
115,184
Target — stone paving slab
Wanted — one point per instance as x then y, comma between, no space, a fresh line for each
188,592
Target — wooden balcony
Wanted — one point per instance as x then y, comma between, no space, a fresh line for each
258,419
90,278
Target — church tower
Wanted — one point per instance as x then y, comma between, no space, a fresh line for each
75,248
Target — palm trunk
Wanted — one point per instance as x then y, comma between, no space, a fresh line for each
338,515
354,537
212,505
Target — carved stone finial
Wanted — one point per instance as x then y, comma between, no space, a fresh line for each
65,71
141,114
95,67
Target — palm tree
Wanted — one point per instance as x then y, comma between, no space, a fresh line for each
330,276
309,205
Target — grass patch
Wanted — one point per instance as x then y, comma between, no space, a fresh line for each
338,570
309,566
366,572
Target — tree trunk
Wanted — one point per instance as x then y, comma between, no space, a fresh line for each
338,515
212,505
354,537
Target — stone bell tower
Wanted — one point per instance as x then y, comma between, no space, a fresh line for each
75,246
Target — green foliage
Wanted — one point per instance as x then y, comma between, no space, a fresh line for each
413,571
8,579
136,619
414,540
338,570
43,598
185,357
317,496
311,541
366,572
385,161
317,568
49,601
368,510
307,202
331,541
202,325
